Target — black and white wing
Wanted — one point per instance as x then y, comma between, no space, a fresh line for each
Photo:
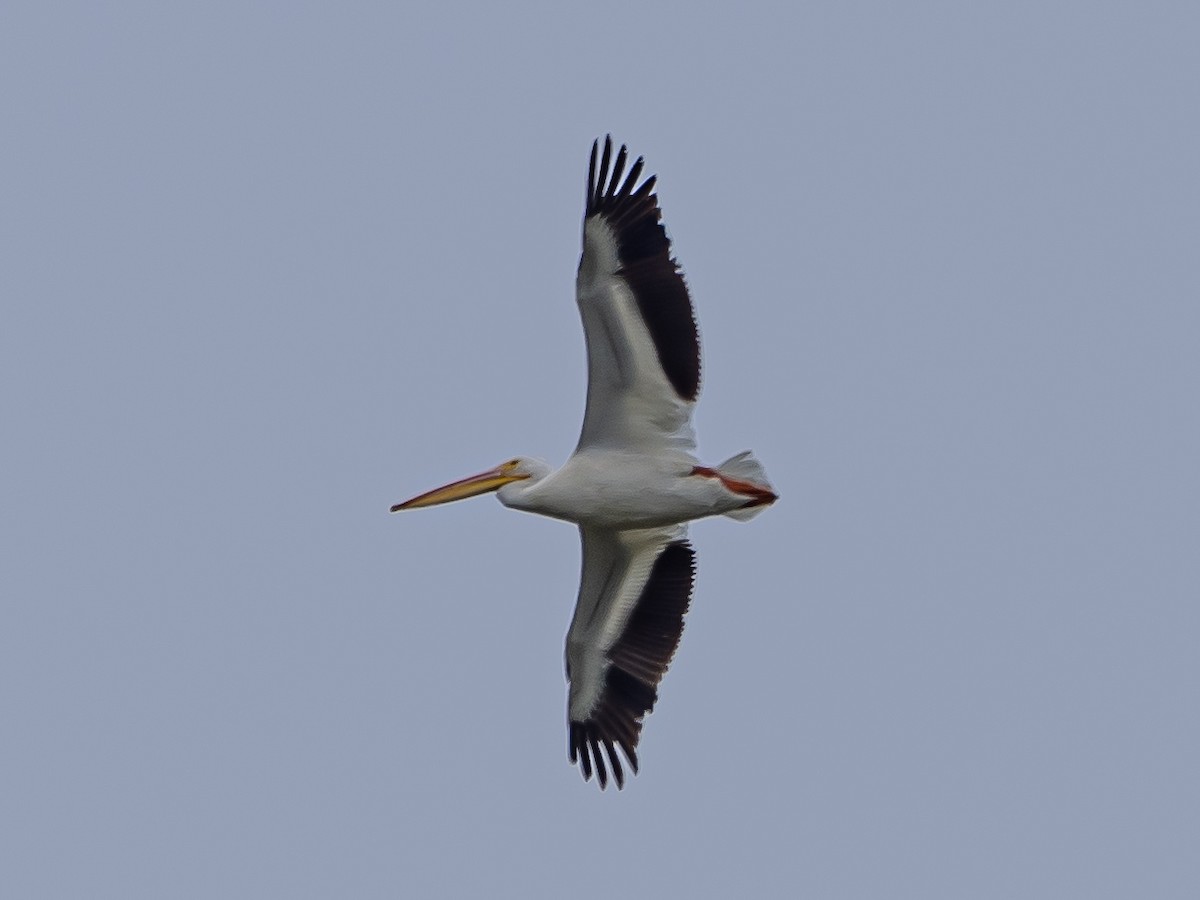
642,343
633,593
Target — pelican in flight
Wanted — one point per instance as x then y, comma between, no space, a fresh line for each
633,483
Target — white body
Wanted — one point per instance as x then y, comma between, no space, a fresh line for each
617,489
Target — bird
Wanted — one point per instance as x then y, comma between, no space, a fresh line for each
633,482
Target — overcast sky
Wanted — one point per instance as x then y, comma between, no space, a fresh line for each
268,268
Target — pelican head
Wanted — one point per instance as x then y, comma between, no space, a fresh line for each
517,469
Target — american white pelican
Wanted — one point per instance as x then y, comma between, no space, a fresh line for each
632,484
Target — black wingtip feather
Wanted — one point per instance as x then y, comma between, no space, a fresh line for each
614,763
591,182
598,762
604,161
618,169
631,179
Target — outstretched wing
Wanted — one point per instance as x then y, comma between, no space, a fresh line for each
642,344
633,593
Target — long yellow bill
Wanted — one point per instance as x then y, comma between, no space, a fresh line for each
490,480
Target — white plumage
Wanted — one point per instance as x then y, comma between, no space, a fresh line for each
633,482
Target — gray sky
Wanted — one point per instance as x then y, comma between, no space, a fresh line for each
269,268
